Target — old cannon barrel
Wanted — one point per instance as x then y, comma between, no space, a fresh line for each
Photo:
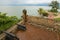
21,27
10,36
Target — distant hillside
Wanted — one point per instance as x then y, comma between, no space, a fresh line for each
43,4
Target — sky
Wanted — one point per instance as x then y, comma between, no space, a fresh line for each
20,2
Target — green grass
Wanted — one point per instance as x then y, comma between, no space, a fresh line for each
57,19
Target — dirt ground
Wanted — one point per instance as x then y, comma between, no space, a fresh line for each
36,33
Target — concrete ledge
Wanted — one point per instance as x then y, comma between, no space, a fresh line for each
12,30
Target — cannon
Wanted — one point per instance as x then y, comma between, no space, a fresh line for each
10,36
21,27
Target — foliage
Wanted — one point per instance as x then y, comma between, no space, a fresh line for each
55,6
45,14
55,14
6,21
42,12
57,19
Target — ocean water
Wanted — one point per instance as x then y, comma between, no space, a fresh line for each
17,10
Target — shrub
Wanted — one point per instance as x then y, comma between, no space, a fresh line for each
43,12
6,22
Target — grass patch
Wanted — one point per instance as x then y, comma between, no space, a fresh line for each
57,19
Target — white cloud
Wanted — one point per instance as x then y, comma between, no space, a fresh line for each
7,1
37,1
4,2
33,1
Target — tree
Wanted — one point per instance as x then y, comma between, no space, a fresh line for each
55,6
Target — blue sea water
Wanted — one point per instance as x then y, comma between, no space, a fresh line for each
17,10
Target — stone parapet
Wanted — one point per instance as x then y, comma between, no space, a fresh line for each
11,30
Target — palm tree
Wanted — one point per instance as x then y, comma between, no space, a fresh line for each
55,6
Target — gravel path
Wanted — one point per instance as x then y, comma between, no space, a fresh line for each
36,33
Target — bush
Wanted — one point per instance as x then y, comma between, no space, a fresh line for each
43,12
6,22
55,14
54,10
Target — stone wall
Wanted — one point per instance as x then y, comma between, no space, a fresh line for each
45,23
42,21
13,29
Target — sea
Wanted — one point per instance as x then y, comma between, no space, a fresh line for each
17,10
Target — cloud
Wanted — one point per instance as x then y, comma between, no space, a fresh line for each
6,2
19,2
37,1
33,1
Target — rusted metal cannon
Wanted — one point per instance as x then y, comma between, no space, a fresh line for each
21,27
10,36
